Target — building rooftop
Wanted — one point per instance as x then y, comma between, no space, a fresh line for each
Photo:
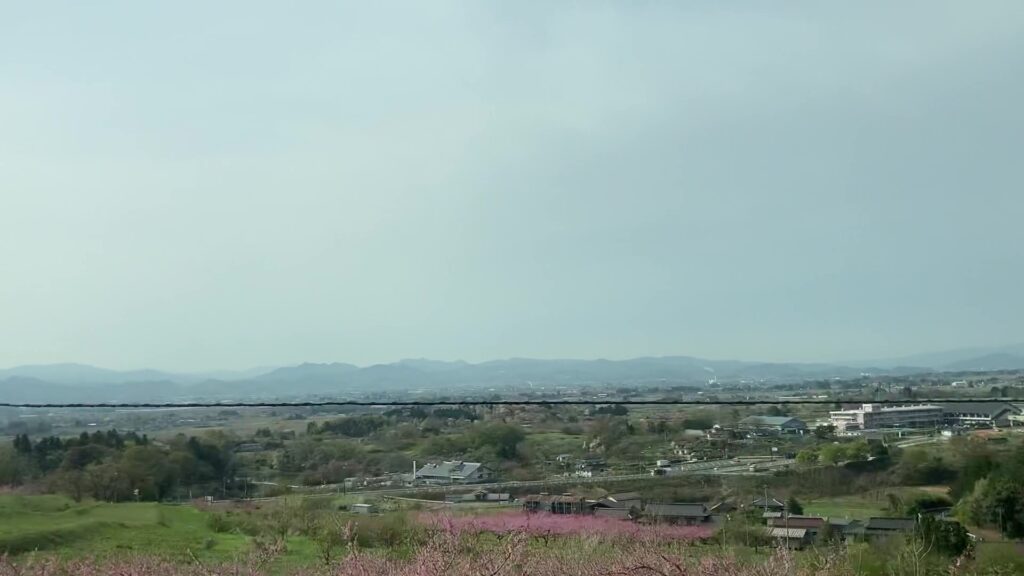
990,409
884,408
677,510
454,469
768,420
798,522
896,524
787,532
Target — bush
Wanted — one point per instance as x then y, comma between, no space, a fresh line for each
219,523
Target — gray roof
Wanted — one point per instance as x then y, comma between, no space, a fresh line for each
621,496
617,513
448,469
677,510
772,503
897,524
990,409
809,522
771,420
787,532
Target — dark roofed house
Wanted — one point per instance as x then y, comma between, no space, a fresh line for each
723,507
688,514
846,528
772,505
621,500
814,525
616,513
555,504
789,537
773,424
882,527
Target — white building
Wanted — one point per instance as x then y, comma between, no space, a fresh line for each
455,472
876,416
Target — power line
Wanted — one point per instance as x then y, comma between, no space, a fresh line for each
404,403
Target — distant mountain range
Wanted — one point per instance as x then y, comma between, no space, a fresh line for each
83,383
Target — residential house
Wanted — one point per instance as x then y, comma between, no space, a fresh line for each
688,514
793,538
845,528
771,505
555,504
723,507
625,499
814,525
879,527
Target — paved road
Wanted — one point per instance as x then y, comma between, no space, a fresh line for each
710,467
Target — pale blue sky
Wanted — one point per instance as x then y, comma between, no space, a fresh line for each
190,185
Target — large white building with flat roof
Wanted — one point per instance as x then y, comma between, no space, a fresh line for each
876,416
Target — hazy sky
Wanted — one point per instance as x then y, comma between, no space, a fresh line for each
189,185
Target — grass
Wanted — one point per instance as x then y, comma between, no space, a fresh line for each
60,526
860,506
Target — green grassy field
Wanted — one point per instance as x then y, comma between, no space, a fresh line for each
58,525
860,506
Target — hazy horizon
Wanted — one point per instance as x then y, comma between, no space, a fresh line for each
965,351
194,186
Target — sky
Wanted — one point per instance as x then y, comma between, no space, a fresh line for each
196,185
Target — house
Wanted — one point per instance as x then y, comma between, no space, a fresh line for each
555,504
979,413
624,499
454,472
814,525
616,513
723,507
880,527
688,514
769,505
846,528
795,538
776,424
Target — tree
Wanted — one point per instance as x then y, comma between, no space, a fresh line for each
807,457
831,453
503,438
945,537
793,506
22,444
825,431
